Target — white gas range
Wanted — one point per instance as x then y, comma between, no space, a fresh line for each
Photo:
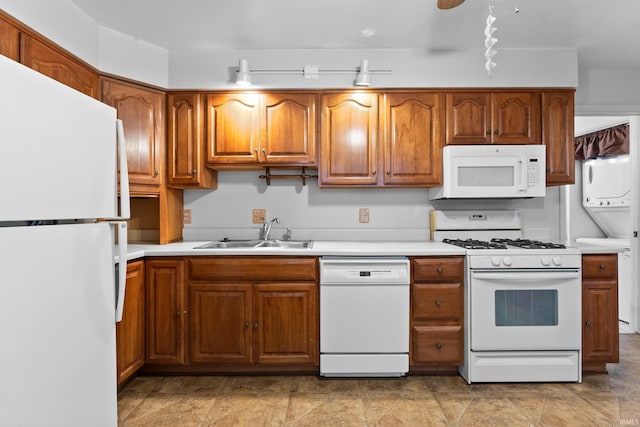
523,309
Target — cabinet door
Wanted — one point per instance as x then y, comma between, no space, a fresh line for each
412,139
52,63
233,128
558,136
9,40
185,152
285,323
142,114
349,141
165,311
288,129
468,118
130,339
516,118
220,323
600,321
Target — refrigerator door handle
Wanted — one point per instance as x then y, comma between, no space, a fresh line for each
125,212
121,280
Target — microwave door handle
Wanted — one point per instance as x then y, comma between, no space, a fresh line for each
522,185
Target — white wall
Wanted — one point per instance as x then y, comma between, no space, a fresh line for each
332,214
215,69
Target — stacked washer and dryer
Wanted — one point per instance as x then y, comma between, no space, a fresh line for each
606,196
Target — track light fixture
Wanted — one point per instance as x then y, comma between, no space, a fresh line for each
242,77
363,74
364,77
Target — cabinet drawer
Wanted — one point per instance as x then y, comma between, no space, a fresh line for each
448,269
437,344
252,268
442,302
600,266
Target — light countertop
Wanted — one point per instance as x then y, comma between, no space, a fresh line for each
329,248
319,248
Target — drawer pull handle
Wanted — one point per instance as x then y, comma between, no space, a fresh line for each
438,346
588,322
440,270
438,302
246,324
603,267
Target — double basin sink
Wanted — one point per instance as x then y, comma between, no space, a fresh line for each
239,244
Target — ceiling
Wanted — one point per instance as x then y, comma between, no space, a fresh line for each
606,33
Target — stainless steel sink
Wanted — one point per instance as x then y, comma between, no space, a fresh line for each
235,244
288,244
229,244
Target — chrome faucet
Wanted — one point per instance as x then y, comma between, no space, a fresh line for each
266,228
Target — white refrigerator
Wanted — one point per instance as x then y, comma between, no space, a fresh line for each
59,294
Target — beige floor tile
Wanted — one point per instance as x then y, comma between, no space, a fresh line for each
453,405
169,410
259,385
572,412
333,386
403,412
332,412
492,412
200,385
241,410
409,387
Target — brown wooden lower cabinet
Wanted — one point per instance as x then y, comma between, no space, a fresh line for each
232,314
437,314
600,334
165,311
130,332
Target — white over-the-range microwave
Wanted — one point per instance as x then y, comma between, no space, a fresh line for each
492,171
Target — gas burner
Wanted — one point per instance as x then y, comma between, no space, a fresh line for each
529,244
475,244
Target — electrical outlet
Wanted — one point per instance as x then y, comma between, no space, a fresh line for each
363,215
186,216
259,215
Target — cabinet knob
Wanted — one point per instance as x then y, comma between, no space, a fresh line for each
438,346
603,267
488,131
440,270
438,303
246,324
157,172
255,325
178,314
588,322
388,173
495,132
264,150
374,173
194,171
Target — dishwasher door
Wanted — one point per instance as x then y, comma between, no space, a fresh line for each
364,316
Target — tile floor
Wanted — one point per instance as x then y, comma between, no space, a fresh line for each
601,400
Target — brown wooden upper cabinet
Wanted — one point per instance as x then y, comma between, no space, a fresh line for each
349,139
261,129
185,143
58,66
142,113
9,40
493,117
412,138
558,136
390,139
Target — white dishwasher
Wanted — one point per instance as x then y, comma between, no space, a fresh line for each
364,316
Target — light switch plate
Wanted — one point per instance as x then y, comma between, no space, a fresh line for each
363,215
186,216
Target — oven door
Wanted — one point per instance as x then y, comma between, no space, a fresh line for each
525,309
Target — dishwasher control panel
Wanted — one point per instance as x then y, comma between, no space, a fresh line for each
335,270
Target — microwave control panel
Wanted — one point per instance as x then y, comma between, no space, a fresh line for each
534,172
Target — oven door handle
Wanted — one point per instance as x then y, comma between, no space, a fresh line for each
555,275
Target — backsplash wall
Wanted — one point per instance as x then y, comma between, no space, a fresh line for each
332,214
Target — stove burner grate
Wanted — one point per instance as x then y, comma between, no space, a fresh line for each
475,244
529,244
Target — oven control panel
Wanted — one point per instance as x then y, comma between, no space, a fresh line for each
525,261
